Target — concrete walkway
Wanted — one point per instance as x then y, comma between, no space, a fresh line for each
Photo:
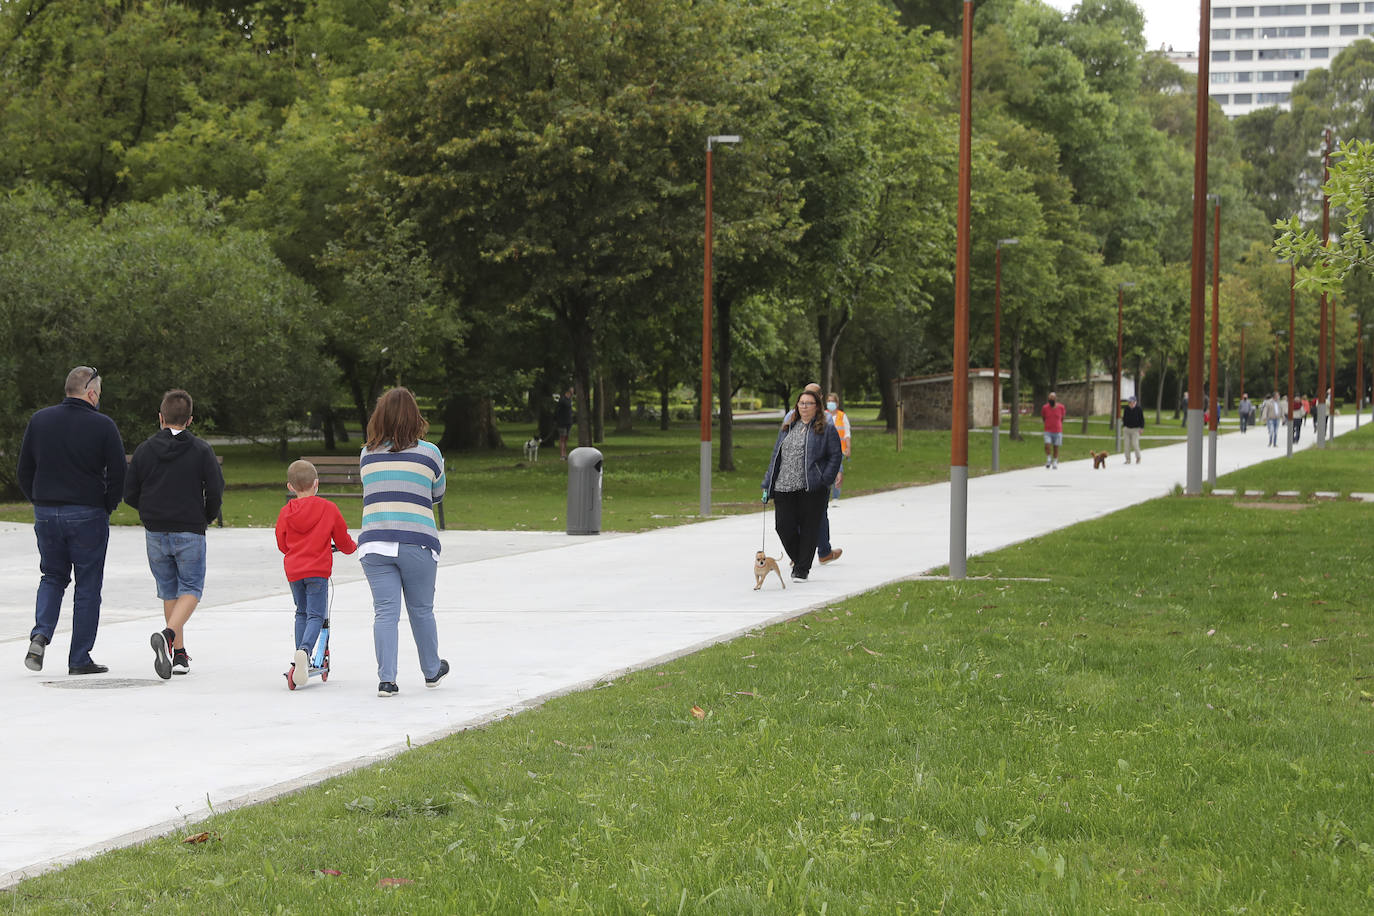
91,763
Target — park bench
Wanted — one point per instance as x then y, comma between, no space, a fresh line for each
219,519
338,471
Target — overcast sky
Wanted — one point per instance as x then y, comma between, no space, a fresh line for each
1168,22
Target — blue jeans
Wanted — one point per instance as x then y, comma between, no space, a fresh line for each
1273,431
410,574
71,538
177,561
823,535
312,605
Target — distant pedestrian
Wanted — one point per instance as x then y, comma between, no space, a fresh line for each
1052,413
1299,414
1184,409
71,468
1246,410
1132,422
1270,415
176,485
403,477
1312,410
563,421
308,530
825,551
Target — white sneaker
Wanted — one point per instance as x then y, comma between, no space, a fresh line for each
1055,464
301,674
1047,462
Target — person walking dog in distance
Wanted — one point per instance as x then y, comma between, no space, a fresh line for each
71,468
563,421
175,484
1053,415
799,476
1132,422
403,477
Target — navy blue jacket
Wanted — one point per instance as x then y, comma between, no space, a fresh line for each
823,457
72,456
174,482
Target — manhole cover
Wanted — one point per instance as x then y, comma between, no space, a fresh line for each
102,683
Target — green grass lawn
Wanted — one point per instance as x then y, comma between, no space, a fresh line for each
1343,467
651,478
1167,709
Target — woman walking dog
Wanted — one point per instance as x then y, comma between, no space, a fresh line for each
806,459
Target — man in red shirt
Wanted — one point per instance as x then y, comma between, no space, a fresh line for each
1053,415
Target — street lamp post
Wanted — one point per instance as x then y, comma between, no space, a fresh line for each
1326,372
711,141
1116,393
958,432
1215,412
1243,326
997,359
1292,342
1197,291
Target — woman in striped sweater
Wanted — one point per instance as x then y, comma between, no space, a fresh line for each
403,477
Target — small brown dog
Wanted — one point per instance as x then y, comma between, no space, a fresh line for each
1099,459
763,565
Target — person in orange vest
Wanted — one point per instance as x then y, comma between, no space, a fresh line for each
825,552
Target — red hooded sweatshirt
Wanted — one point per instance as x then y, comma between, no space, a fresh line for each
306,528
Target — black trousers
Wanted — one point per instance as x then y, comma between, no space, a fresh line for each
797,520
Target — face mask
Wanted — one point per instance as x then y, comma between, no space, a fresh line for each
831,405
1051,402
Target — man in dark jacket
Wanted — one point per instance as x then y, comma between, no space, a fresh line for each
175,484
1132,422
71,467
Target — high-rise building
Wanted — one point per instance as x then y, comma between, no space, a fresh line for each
1260,51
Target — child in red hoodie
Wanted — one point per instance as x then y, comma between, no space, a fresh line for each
307,529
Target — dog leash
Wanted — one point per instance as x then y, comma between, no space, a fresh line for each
763,541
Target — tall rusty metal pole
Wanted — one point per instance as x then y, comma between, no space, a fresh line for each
1215,412
1198,296
958,446
1326,371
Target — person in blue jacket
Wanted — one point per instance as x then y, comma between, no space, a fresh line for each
805,460
71,467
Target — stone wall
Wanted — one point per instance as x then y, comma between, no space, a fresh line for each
927,400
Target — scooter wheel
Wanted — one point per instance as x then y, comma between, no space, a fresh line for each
324,670
290,681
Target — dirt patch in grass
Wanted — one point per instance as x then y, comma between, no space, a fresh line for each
1282,507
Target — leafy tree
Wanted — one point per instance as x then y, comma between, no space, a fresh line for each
155,295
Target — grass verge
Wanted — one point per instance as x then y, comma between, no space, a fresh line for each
1167,709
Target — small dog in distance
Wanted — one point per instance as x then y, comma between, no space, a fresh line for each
1099,459
763,565
532,449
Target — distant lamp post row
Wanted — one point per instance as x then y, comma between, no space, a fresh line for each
997,359
711,141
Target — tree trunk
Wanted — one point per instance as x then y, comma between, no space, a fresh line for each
469,424
888,412
599,410
1159,391
327,427
829,339
724,351
624,415
1015,432
1087,391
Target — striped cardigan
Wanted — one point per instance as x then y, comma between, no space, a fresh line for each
399,493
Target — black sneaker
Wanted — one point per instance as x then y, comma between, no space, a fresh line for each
162,654
387,689
799,575
181,662
443,670
34,660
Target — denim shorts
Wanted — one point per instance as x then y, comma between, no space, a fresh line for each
1054,438
177,559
